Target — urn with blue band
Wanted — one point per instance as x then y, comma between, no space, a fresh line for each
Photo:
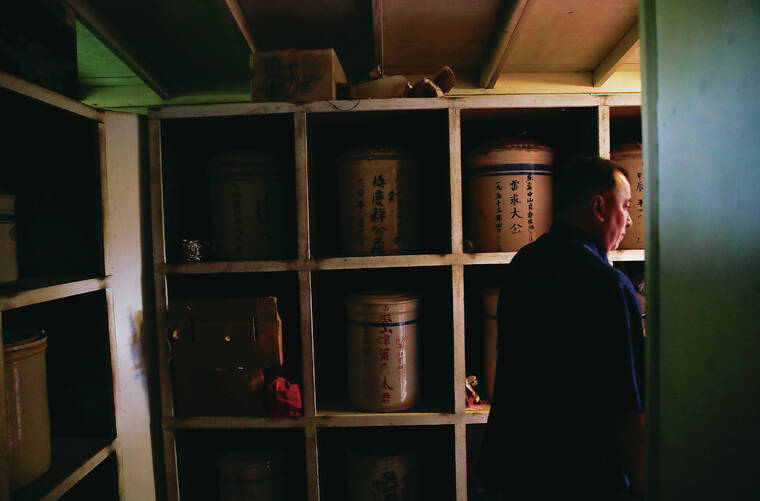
509,194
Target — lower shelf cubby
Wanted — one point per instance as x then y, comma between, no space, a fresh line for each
374,361
475,435
223,356
407,463
78,362
241,464
75,357
481,286
100,484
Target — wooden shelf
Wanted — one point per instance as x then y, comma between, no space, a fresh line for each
10,82
323,278
326,418
358,262
330,418
332,263
488,258
478,414
73,459
34,291
358,105
627,255
233,422
218,267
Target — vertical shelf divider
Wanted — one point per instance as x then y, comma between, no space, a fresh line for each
603,130
117,409
457,269
455,176
304,254
460,460
302,186
159,258
312,462
5,486
105,226
170,463
307,344
457,296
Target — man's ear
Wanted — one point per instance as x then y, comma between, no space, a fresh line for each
597,207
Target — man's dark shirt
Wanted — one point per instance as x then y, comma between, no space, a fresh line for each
570,367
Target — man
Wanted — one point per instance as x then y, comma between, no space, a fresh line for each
567,417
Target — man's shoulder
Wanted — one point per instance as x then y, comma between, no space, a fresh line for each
550,249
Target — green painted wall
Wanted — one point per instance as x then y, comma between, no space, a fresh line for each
701,84
106,82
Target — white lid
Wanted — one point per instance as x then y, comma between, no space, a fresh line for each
511,150
244,162
374,301
249,465
374,152
629,149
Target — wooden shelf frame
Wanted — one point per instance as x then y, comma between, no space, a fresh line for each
29,293
72,458
305,264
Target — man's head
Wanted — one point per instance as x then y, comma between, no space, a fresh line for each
594,194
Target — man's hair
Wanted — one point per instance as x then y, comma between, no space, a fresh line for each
582,178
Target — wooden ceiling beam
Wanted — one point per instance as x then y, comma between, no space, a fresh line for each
616,56
101,29
377,30
508,29
242,23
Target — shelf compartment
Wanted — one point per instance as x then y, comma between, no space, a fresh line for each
52,165
78,355
568,131
625,125
424,133
199,475
477,280
202,396
73,459
187,147
29,292
421,455
434,335
475,436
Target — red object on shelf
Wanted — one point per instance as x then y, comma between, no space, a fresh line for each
284,398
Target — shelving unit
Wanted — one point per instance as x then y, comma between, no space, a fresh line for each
54,163
317,277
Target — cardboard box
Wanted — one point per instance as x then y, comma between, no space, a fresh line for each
295,75
219,348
